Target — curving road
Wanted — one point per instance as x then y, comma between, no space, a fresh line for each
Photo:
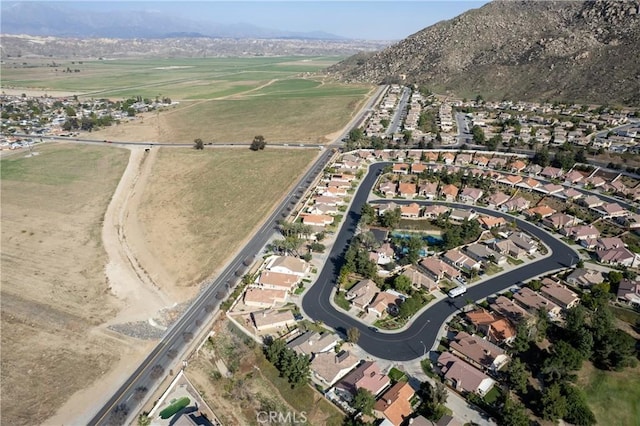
414,341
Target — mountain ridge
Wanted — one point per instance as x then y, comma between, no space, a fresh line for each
59,20
559,50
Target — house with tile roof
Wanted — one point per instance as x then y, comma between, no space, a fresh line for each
287,265
497,329
428,190
542,211
462,376
366,376
264,298
437,269
478,352
560,295
270,319
509,309
411,211
361,294
312,342
470,195
394,405
420,280
497,199
532,301
449,192
329,367
388,189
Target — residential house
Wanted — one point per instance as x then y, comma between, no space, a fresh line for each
550,189
497,329
532,301
560,221
411,211
489,222
470,195
382,208
511,180
581,232
523,241
366,376
463,159
592,201
272,280
417,168
329,367
401,168
497,163
407,190
570,194
420,280
541,211
320,220
594,182
322,209
551,172
428,190
287,265
618,256
460,215
438,269
515,204
508,248
584,277
449,192
529,184
463,377
612,210
312,342
630,222
496,200
332,191
361,294
435,210
560,295
629,292
394,405
329,201
508,308
263,298
483,253
431,156
480,161
533,169
609,243
573,177
383,303
448,158
382,255
270,319
478,352
456,258
518,166
388,189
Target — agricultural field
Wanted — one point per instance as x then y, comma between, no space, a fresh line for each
220,99
54,291
200,206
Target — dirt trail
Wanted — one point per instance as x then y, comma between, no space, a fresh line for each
128,281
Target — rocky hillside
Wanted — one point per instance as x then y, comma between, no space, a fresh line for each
528,50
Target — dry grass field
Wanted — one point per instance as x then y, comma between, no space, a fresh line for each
53,284
199,206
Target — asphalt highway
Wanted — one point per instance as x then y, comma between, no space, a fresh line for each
201,309
414,341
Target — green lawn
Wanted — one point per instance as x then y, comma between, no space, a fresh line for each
342,301
514,261
492,396
614,397
397,375
492,269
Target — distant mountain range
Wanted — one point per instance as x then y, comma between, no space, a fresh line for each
529,50
63,20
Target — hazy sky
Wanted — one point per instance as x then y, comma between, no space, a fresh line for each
374,20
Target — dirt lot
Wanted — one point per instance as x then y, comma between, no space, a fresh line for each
253,384
199,207
54,290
